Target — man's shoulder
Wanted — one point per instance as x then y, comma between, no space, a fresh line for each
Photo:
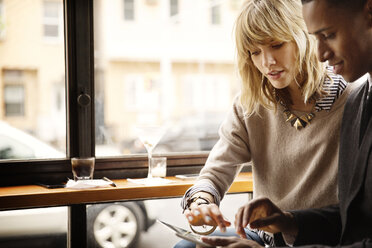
358,87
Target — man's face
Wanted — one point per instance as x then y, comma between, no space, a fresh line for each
344,38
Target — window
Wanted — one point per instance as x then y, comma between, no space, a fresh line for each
129,10
52,20
141,93
179,76
173,7
14,96
14,93
175,76
216,13
32,81
209,93
124,74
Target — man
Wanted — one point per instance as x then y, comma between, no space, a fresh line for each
344,32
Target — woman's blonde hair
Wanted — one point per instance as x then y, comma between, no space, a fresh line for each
264,21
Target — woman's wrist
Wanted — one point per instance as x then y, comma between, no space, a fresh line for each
197,200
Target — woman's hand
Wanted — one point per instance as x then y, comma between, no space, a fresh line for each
231,242
206,214
263,214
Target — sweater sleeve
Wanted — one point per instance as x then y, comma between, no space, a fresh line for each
229,154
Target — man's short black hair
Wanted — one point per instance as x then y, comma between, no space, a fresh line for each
349,4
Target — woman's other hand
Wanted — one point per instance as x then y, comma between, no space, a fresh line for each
262,213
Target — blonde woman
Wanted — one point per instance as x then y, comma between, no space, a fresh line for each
286,121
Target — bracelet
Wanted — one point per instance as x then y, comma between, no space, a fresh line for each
203,233
194,199
201,200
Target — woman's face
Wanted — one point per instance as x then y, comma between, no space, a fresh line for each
277,62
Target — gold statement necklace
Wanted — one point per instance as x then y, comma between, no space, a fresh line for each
297,122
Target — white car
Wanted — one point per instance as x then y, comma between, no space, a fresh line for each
17,144
116,225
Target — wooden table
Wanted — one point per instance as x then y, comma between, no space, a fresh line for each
29,196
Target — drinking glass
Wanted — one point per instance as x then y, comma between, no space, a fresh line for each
150,137
82,168
158,167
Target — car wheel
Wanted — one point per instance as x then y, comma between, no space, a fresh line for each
115,225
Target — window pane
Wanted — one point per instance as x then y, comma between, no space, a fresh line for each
173,7
128,10
14,100
177,72
52,19
51,30
216,14
51,9
32,81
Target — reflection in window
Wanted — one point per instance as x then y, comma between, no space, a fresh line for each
52,19
129,10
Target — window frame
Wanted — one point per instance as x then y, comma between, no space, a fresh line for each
80,122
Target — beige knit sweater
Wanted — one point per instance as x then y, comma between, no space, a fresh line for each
295,169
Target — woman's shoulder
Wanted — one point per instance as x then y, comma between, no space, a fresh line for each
239,111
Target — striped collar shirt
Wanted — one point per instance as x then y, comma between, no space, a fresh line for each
334,88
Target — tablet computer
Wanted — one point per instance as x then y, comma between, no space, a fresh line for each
184,234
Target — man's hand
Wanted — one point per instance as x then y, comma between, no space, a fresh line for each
206,214
230,242
263,214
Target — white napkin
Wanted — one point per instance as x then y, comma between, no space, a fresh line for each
151,181
86,184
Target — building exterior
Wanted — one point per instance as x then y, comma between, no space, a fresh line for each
157,61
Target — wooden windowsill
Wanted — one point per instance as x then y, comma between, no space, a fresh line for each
30,196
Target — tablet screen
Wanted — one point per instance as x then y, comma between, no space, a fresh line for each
184,234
